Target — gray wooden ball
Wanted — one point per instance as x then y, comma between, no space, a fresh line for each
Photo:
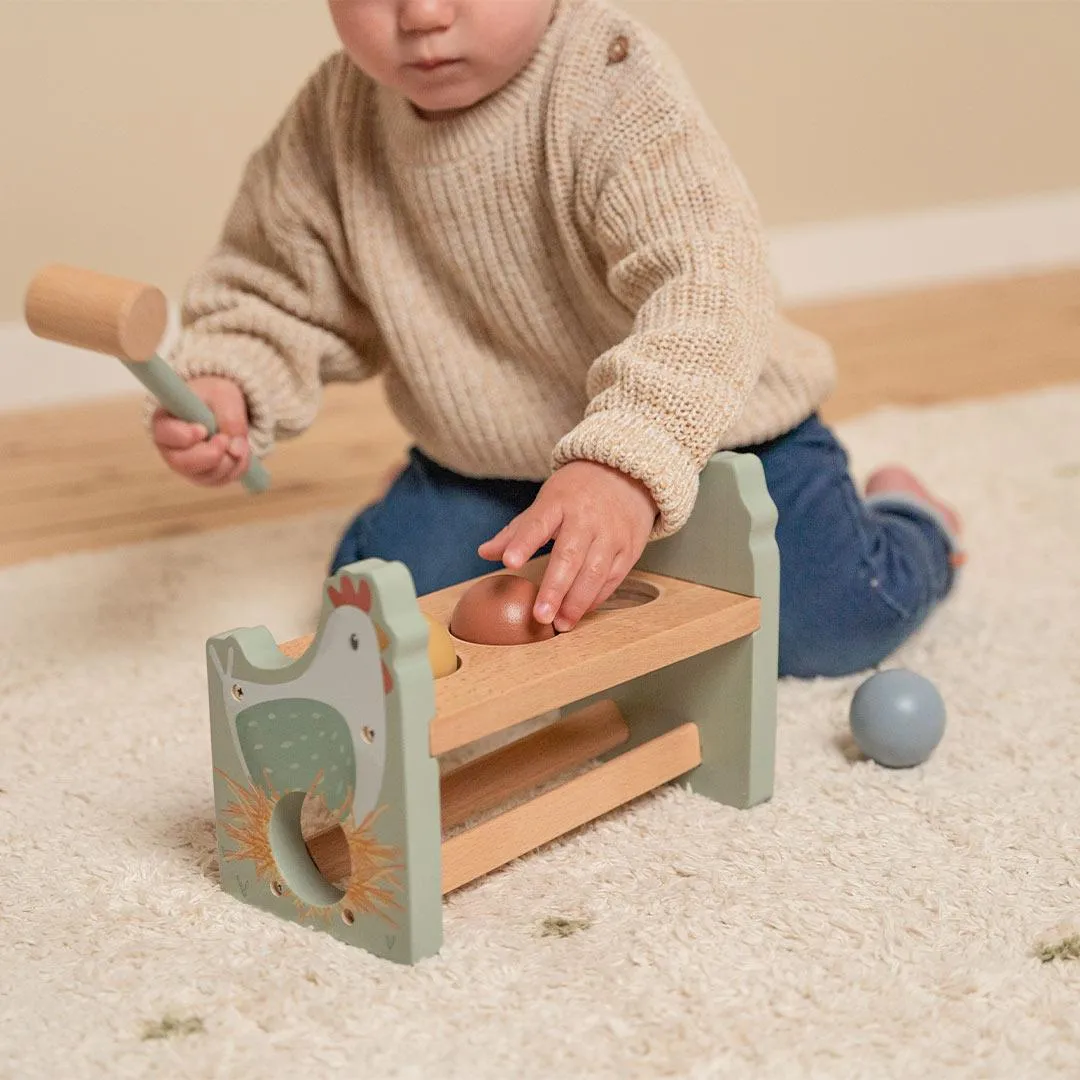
897,718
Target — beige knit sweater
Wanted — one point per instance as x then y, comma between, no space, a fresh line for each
571,269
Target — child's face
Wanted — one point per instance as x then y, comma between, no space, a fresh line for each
441,54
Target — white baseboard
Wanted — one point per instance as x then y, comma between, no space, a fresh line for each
37,373
838,259
819,262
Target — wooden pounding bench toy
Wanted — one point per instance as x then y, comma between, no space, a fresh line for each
353,721
677,683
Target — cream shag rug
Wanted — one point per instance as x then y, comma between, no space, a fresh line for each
865,923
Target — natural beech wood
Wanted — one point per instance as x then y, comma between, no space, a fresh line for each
329,851
78,477
499,686
495,842
495,778
106,314
526,763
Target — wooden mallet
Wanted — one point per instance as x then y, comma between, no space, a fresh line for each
127,320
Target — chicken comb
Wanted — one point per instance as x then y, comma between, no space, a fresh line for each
351,595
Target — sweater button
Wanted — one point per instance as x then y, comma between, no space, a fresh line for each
618,50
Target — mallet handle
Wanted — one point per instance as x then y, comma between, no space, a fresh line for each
125,319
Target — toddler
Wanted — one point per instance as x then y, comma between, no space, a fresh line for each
517,213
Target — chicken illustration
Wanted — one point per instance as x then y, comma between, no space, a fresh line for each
318,723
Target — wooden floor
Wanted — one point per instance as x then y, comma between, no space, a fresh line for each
86,476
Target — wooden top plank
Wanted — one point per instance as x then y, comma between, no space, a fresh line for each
499,686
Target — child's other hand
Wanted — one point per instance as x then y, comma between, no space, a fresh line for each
600,520
185,447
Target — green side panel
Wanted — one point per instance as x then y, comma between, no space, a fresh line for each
729,692
326,727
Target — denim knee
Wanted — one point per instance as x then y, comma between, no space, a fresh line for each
855,581
868,609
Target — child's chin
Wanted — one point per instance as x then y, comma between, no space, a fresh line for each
447,102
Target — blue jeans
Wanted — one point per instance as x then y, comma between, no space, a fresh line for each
856,580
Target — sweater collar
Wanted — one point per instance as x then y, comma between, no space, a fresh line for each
411,138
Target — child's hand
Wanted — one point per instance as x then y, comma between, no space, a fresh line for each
600,520
185,448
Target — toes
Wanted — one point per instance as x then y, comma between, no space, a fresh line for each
898,478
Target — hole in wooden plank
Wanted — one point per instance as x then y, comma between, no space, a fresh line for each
630,594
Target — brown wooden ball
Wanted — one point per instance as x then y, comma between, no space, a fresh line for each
498,611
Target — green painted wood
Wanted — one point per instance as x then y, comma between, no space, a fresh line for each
325,726
179,399
729,692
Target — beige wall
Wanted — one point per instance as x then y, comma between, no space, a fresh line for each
124,124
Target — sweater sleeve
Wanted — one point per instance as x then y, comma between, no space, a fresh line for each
684,251
273,308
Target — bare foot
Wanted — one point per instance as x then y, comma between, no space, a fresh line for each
898,478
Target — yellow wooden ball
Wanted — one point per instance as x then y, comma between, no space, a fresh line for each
441,651
441,654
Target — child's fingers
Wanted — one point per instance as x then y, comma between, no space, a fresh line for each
235,457
238,448
240,456
199,460
532,531
493,549
213,463
563,567
229,407
172,433
220,476
592,576
619,569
